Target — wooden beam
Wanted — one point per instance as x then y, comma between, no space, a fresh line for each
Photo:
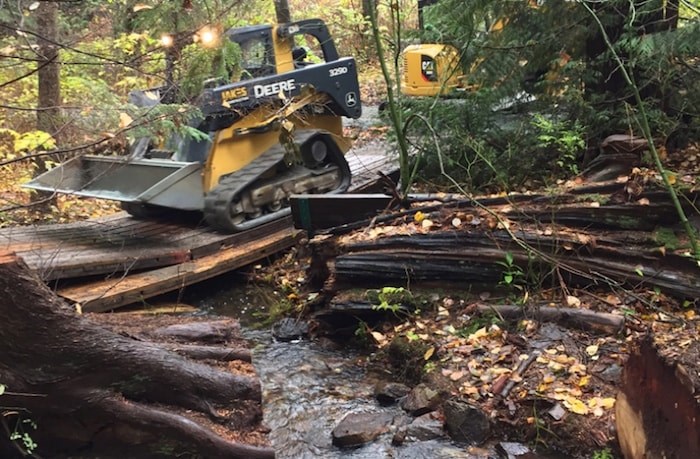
313,212
113,293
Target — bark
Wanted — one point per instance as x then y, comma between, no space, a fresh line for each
97,387
49,69
611,243
48,108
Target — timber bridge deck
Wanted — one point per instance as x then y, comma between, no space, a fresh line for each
119,260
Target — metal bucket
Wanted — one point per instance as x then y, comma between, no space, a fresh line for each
167,183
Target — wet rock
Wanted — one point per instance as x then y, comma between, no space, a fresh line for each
421,400
511,450
399,437
359,428
466,423
425,427
388,393
289,329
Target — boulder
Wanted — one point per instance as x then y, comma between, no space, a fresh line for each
421,400
289,329
466,423
425,427
388,393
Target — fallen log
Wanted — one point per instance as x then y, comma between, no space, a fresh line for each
581,318
92,390
476,254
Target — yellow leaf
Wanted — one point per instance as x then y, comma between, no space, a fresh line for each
607,403
124,120
575,405
584,381
378,337
140,7
429,353
419,216
592,350
671,178
572,301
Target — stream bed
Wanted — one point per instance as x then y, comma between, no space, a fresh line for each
309,388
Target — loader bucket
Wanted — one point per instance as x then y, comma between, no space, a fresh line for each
159,182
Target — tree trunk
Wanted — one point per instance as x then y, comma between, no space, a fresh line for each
49,70
282,11
91,389
48,109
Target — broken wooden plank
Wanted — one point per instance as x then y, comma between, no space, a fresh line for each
657,413
112,293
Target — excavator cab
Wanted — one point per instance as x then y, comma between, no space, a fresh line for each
275,131
431,70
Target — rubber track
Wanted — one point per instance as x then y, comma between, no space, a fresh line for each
216,202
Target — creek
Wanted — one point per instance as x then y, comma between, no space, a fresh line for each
308,388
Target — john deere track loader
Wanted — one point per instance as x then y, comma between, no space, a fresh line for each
275,133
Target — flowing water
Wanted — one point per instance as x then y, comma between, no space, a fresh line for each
308,389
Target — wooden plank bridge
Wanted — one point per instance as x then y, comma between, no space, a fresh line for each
118,260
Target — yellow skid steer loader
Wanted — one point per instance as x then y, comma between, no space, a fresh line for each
274,134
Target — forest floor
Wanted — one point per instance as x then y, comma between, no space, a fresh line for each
560,382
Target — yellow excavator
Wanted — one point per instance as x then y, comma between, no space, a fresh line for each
275,133
436,69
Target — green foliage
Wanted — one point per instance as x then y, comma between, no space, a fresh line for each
22,427
483,320
605,453
390,298
20,434
556,54
513,275
200,63
565,137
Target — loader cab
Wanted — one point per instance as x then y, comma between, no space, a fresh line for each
268,50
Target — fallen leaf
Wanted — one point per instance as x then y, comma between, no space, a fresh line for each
572,301
426,223
378,337
124,120
140,7
592,350
429,353
575,405
456,222
643,202
457,375
607,403
419,217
